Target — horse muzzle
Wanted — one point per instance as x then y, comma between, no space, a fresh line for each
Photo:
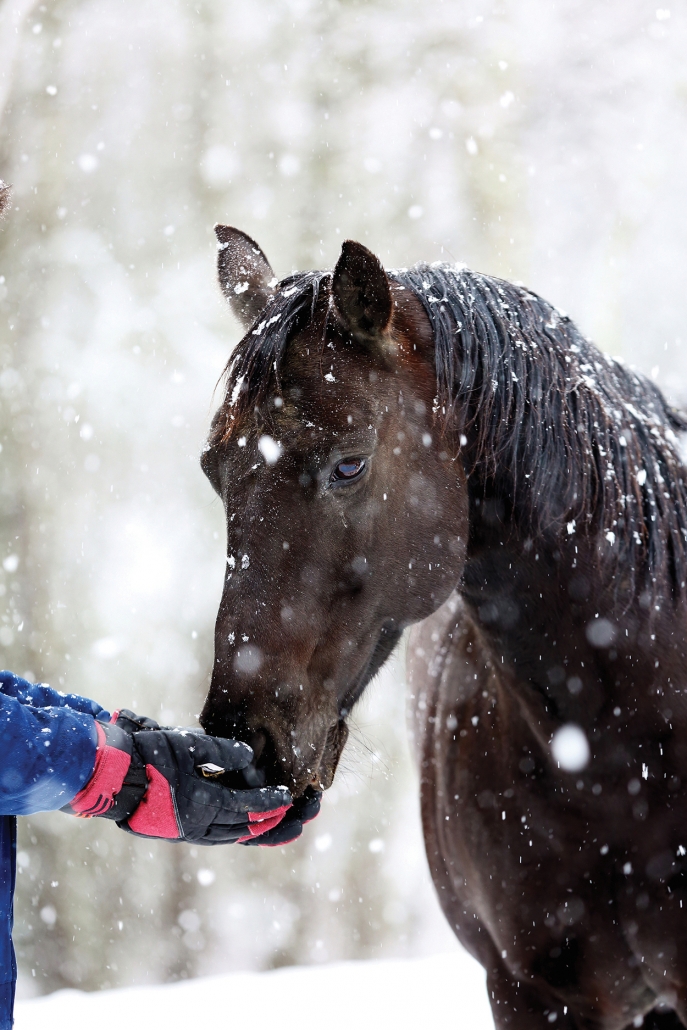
296,760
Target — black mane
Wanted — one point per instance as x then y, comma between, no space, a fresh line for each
575,440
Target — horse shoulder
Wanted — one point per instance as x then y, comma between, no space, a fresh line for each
444,665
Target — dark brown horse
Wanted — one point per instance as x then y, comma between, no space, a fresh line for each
440,449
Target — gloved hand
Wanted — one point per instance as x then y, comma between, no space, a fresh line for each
302,811
150,782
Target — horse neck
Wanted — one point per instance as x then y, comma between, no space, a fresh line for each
534,595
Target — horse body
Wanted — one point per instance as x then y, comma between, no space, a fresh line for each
566,887
527,515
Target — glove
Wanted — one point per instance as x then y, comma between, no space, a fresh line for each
302,811
151,782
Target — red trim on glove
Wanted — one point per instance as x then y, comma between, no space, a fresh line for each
156,815
261,822
304,822
111,766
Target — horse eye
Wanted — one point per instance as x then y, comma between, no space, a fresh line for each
346,471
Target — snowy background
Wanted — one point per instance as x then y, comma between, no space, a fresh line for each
541,140
445,990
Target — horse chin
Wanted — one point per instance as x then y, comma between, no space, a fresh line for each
337,734
321,776
333,748
276,764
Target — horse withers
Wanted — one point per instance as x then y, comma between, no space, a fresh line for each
441,449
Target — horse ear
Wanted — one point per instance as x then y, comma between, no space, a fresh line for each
5,192
245,274
360,290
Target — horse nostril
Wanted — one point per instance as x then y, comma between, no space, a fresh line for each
257,741
253,774
254,777
265,762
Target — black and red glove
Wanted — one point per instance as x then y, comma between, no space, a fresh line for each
154,783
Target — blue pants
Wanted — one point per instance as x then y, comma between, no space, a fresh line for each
47,753
8,966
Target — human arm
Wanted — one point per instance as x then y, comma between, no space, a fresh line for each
47,745
65,751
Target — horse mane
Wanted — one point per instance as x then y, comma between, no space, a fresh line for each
575,437
571,439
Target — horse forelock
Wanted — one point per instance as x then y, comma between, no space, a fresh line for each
253,370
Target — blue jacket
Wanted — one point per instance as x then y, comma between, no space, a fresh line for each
47,754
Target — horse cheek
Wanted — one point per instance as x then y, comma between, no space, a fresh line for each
436,533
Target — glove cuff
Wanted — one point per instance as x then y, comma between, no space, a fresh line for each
112,761
132,791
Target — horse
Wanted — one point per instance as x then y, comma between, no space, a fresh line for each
439,449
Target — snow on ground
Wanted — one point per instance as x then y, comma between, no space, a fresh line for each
400,994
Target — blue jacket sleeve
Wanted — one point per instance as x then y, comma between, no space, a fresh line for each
47,745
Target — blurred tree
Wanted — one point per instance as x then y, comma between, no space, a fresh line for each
13,14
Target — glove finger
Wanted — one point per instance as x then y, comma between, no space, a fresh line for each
229,755
286,832
261,823
132,723
220,834
289,827
258,800
304,810
307,807
186,749
222,805
124,825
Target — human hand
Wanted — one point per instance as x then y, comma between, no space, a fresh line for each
151,782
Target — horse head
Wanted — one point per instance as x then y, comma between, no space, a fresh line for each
346,506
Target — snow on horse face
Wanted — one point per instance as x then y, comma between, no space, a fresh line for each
437,448
346,517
